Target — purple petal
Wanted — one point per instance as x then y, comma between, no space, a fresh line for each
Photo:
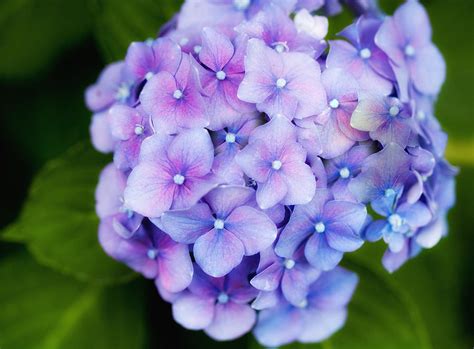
271,192
428,70
109,191
319,325
295,282
351,214
187,225
175,267
253,228
416,215
231,321
217,50
101,138
333,289
218,252
269,278
266,300
193,312
150,190
375,230
319,254
195,160
224,199
278,326
301,183
430,235
342,238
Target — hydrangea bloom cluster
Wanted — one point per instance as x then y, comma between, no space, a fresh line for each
251,154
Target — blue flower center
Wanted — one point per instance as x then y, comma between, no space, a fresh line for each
241,5
394,110
365,53
221,75
149,75
177,94
344,173
281,83
409,51
230,138
123,92
276,164
152,253
319,228
223,298
178,179
334,103
289,263
396,222
138,129
219,224
303,304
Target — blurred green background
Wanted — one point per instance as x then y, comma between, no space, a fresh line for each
58,289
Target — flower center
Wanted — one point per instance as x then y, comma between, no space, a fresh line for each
152,253
123,92
241,5
394,110
149,42
138,129
289,264
389,192
230,138
303,304
197,49
177,94
220,75
344,172
223,298
280,47
320,227
149,75
183,41
219,224
178,179
421,115
365,53
409,51
276,164
334,103
395,222
280,83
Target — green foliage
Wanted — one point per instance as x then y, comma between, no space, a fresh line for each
33,33
42,309
58,222
121,22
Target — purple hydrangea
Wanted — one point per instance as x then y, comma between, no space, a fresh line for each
252,155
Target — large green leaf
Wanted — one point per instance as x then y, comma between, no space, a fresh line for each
121,22
42,309
58,222
33,33
381,313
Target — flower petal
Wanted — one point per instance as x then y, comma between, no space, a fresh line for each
218,252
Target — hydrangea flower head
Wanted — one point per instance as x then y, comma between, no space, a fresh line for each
252,155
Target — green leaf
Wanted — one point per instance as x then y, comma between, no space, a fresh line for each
58,222
33,33
42,309
120,22
381,313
